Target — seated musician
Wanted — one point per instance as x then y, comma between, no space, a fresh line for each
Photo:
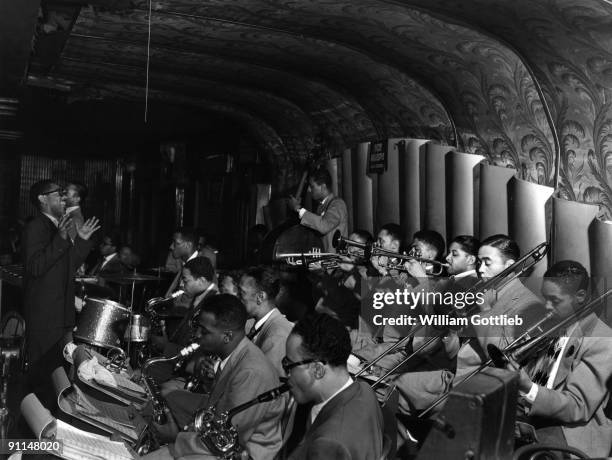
430,245
110,262
563,391
197,283
183,248
346,421
259,287
242,373
419,389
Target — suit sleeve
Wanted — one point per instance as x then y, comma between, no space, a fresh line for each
40,254
325,448
245,386
585,388
530,310
325,223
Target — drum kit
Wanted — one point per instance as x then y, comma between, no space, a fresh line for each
114,329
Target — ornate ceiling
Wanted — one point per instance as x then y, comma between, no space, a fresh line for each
345,71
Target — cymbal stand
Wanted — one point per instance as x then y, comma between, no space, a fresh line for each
6,356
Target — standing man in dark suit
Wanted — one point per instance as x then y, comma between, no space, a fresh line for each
331,213
258,288
346,421
51,258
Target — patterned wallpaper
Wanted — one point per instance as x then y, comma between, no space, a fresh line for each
355,70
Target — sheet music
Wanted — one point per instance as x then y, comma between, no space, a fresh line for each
81,445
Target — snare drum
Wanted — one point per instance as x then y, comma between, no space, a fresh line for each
102,323
139,330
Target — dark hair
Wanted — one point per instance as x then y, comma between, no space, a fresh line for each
506,246
321,176
432,238
189,235
201,267
80,188
228,310
266,278
395,231
38,188
364,236
568,274
115,239
324,338
468,244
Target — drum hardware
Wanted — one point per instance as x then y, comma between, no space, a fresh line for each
497,282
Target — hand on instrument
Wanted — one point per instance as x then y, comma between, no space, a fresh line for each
205,367
489,299
294,203
415,269
88,228
64,225
525,382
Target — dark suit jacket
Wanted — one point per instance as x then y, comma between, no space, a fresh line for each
350,426
579,394
334,217
247,374
272,336
50,264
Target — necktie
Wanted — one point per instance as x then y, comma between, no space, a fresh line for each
252,333
545,363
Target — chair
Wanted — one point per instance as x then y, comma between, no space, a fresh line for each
546,452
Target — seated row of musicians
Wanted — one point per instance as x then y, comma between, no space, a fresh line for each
345,421
574,396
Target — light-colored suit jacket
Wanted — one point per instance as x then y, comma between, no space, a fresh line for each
513,299
247,374
333,217
349,427
580,392
272,337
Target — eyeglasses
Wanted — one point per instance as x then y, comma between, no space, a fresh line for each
60,191
287,365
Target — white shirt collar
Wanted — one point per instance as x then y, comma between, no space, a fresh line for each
71,208
193,256
199,298
261,322
220,365
53,219
316,409
464,274
107,259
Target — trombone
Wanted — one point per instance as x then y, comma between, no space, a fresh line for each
526,345
497,282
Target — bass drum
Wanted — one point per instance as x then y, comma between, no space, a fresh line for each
102,323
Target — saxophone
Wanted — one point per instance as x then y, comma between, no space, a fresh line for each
216,430
152,388
158,322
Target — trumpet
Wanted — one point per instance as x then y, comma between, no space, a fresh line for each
528,344
327,260
343,244
397,260
497,282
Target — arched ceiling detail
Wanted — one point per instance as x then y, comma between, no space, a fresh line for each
355,70
568,44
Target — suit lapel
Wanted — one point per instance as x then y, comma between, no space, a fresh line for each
221,384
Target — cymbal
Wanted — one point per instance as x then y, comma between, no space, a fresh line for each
86,279
129,278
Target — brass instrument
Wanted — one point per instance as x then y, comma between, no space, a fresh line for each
497,282
216,430
327,260
151,387
527,344
343,244
157,321
397,260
